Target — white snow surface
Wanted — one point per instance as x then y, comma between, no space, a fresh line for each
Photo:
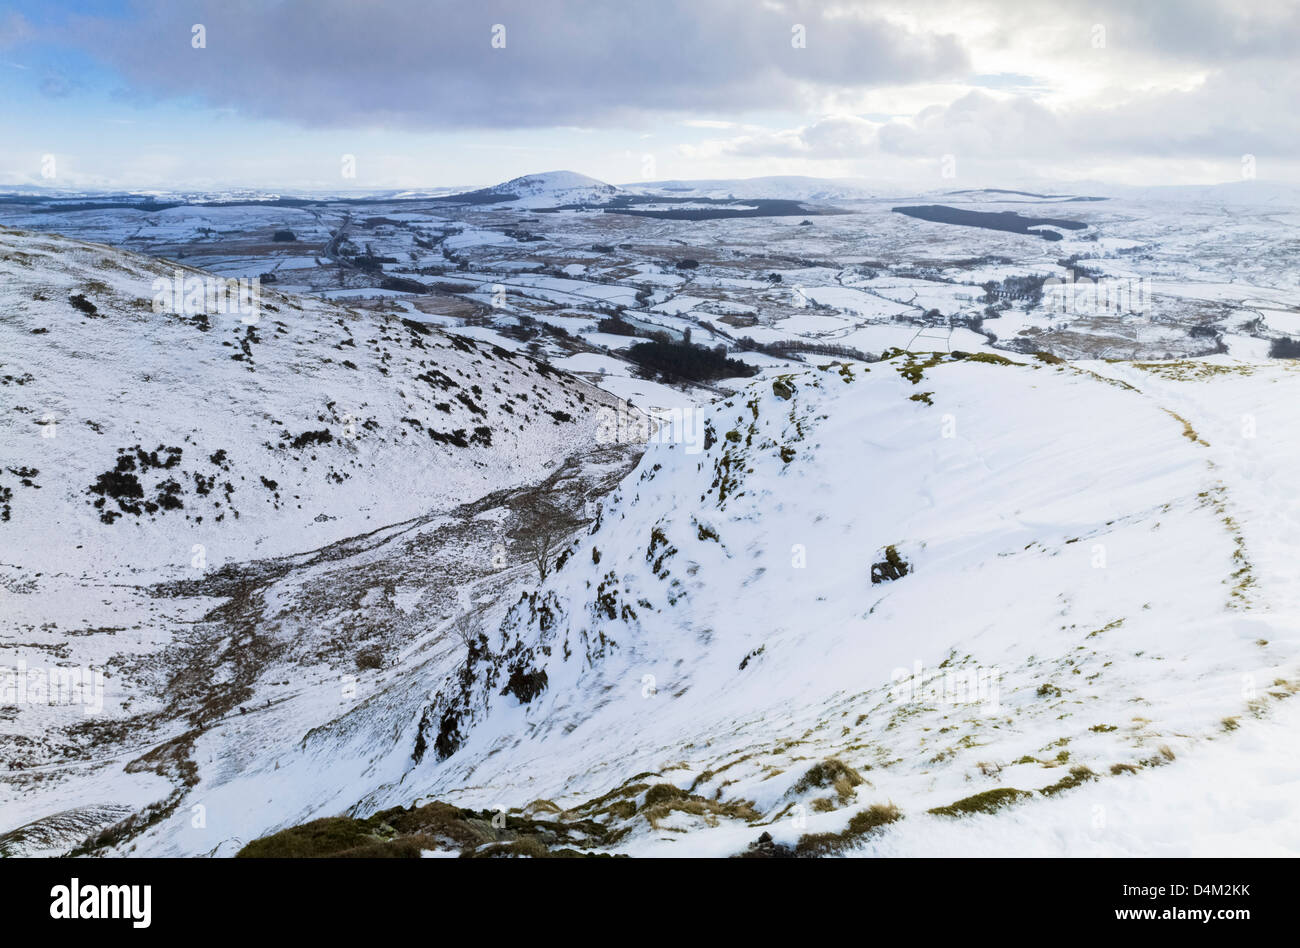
1107,541
1110,547
336,407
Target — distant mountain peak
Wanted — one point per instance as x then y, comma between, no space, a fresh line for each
556,180
555,188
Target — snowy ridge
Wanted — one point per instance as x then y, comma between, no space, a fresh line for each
777,187
1068,537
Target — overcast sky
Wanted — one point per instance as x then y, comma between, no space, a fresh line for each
428,93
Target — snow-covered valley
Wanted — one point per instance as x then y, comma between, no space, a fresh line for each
955,566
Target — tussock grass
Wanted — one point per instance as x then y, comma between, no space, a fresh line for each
990,801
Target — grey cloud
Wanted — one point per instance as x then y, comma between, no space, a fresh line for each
837,136
577,62
1199,32
1219,31
1244,112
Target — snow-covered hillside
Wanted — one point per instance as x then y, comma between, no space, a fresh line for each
202,515
130,436
779,187
1246,193
1091,565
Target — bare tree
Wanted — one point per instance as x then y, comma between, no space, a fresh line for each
542,532
541,547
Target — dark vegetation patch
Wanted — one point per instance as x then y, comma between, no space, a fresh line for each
26,477
683,362
796,349
615,326
420,329
814,845
992,220
1028,289
245,353
438,380
404,832
370,659
525,684
83,305
892,567
403,285
472,405
1284,348
456,437
123,486
312,437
